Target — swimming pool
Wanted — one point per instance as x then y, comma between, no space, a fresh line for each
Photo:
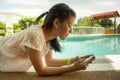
100,45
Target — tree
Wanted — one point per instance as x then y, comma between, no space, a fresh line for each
17,27
86,21
26,22
106,23
2,28
2,25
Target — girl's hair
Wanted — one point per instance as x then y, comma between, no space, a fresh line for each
60,11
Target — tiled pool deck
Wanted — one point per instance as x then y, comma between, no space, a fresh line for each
109,62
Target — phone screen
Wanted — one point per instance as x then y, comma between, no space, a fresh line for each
89,58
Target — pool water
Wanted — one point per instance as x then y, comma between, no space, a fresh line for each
99,45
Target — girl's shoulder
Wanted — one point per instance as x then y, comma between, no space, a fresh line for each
33,29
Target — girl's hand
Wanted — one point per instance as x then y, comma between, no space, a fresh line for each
83,58
79,65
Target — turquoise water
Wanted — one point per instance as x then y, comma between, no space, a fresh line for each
99,45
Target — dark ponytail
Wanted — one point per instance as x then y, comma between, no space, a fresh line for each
39,17
60,11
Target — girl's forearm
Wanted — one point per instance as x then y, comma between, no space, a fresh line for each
56,70
61,62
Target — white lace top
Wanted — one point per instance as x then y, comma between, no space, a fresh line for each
13,55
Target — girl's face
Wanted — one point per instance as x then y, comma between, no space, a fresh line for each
66,27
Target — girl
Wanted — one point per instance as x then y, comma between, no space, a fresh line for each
22,50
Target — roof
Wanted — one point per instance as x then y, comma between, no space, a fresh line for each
105,15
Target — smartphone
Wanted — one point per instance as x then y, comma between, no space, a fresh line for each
92,56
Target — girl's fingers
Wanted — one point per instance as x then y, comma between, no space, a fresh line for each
86,63
82,60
